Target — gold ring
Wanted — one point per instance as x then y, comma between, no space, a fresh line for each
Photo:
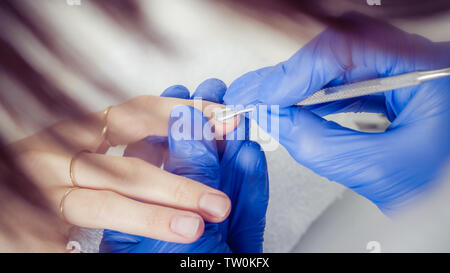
63,199
105,127
72,161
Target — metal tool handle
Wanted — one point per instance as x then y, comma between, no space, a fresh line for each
357,89
372,86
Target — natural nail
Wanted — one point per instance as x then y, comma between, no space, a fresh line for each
186,226
214,204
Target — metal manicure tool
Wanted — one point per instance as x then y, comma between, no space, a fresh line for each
353,90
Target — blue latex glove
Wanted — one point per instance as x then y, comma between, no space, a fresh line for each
388,168
236,167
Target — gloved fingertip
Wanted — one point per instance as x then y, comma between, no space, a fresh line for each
246,89
211,90
176,91
250,153
251,160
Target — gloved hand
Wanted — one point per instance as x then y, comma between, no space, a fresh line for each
236,167
388,168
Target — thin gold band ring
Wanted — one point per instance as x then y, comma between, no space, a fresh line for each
104,135
72,163
63,199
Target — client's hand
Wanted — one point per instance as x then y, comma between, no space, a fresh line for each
236,167
95,190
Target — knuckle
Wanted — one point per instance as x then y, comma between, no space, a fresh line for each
250,152
181,193
154,219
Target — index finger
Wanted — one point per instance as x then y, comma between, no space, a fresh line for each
149,116
126,123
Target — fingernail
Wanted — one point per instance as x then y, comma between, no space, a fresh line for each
186,226
222,128
214,204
